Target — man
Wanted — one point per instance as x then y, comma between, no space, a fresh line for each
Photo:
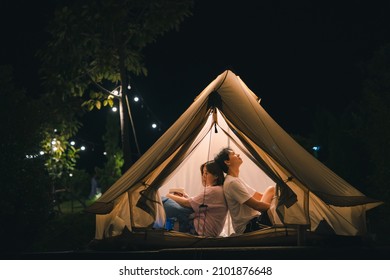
248,208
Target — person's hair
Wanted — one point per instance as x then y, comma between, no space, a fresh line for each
221,157
201,168
214,168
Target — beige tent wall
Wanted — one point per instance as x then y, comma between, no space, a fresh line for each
113,223
139,217
344,220
188,173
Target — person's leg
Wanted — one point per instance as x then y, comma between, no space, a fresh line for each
174,210
268,194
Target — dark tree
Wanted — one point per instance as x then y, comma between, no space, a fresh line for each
95,46
25,190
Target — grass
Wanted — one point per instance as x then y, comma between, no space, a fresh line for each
70,230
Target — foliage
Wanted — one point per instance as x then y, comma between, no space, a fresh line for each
25,187
80,183
375,115
68,232
61,156
372,127
112,168
355,144
95,45
73,188
61,124
98,99
90,39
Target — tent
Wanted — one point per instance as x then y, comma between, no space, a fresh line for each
228,114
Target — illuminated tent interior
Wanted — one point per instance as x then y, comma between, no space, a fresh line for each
228,114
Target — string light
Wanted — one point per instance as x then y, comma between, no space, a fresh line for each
115,92
141,105
137,98
31,156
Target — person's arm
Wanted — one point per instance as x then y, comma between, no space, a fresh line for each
179,199
241,192
186,195
257,204
257,196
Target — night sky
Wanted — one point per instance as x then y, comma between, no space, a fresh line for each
297,56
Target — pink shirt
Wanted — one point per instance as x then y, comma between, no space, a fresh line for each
211,220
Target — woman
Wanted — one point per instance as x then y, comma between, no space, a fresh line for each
209,207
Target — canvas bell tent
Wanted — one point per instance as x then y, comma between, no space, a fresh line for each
228,114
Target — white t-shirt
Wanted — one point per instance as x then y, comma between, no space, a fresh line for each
236,193
211,220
